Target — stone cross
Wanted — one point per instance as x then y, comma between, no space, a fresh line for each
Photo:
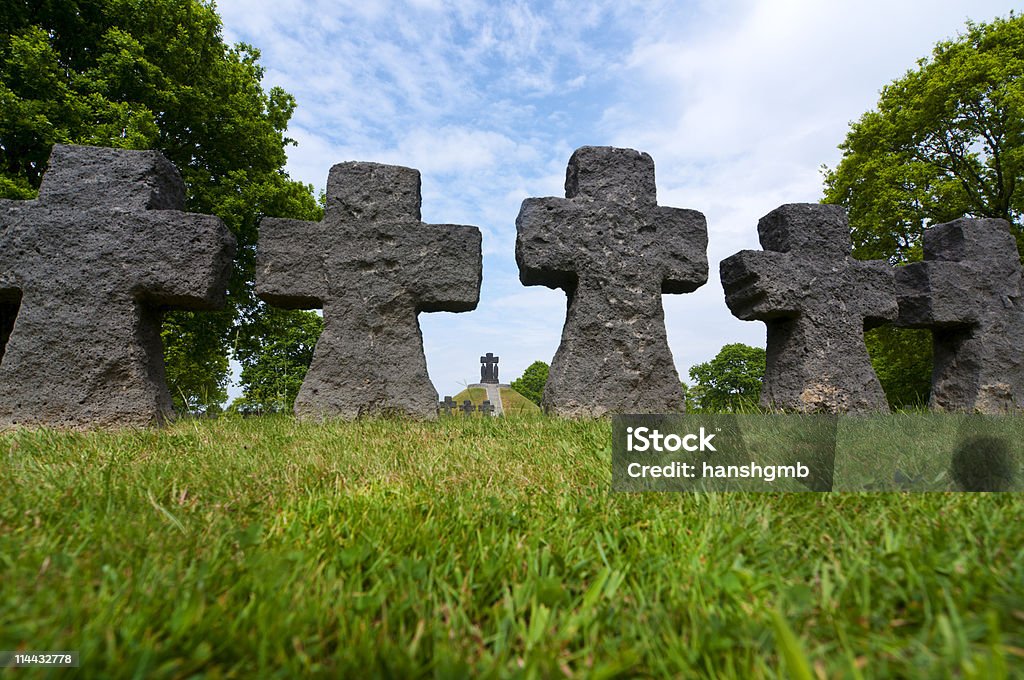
448,405
86,271
372,266
467,407
614,251
486,408
968,291
489,369
816,301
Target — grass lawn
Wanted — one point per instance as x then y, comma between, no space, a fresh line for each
474,394
513,402
479,547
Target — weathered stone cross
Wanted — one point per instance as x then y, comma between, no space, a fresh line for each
614,251
968,291
448,405
486,408
489,368
816,301
85,274
373,267
467,407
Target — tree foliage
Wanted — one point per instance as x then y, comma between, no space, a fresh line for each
531,383
275,350
946,141
154,74
730,382
902,359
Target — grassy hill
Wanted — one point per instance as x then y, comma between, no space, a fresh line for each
490,547
513,402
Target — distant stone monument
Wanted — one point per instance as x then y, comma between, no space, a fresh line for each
490,384
372,266
489,369
968,291
816,301
614,251
86,271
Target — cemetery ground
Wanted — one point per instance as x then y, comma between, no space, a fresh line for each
486,547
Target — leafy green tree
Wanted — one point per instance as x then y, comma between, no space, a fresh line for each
729,382
189,370
154,74
531,383
691,396
946,140
275,350
902,358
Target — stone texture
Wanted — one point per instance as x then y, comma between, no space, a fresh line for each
816,301
86,271
968,291
614,251
372,266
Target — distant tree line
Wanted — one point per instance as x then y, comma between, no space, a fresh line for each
729,383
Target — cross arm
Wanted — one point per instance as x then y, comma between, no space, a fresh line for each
548,232
682,238
873,290
763,285
183,259
288,275
936,294
446,267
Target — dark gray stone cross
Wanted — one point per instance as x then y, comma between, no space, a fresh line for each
467,407
372,266
489,369
968,291
486,408
447,406
614,251
86,271
816,301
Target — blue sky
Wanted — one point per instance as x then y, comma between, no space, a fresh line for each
739,102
